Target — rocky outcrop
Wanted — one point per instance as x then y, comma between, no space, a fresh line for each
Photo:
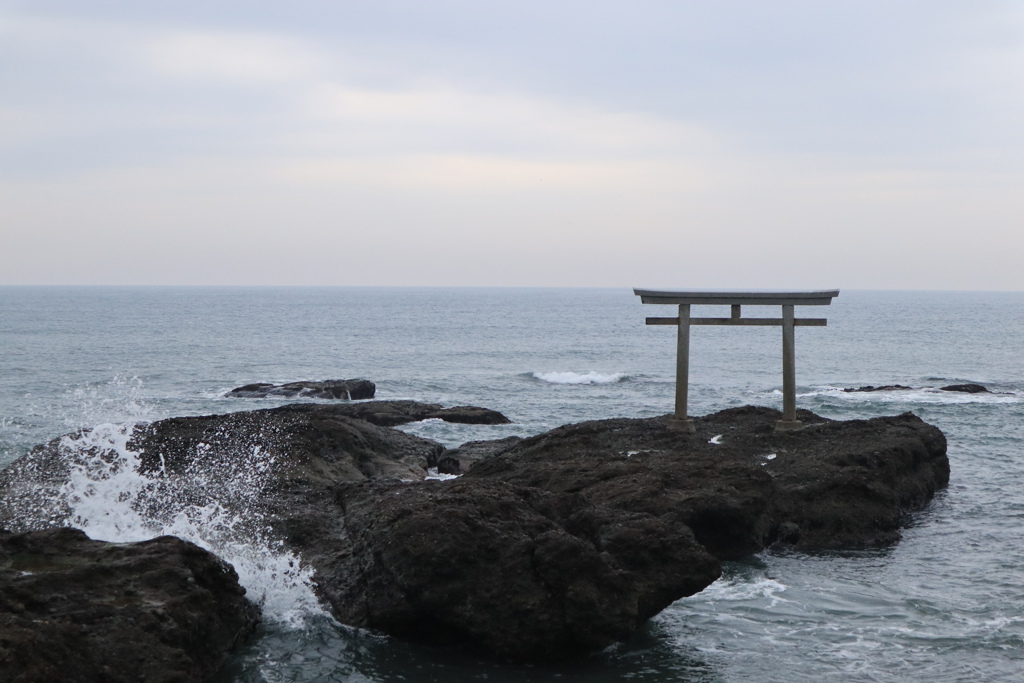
514,570
347,389
887,387
738,484
460,460
961,388
394,413
967,388
549,546
77,610
565,542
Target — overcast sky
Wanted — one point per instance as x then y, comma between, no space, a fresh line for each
795,143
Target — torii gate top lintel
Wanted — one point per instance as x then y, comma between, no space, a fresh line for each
736,299
698,297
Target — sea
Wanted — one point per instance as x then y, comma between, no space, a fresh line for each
946,603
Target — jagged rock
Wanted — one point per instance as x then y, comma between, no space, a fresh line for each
887,387
394,413
967,388
844,484
549,546
213,453
77,610
516,571
318,442
460,460
347,389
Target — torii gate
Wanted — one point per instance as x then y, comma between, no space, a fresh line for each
737,299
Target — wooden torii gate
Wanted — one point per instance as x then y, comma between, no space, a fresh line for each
737,299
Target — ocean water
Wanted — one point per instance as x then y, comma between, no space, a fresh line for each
945,604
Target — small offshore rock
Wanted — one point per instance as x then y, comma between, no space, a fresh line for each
887,387
77,610
967,389
343,389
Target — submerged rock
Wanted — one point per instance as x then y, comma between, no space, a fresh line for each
967,388
347,389
961,388
77,610
550,546
887,387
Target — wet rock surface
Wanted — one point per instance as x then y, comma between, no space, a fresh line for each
77,610
561,543
967,388
514,570
886,387
346,389
565,542
843,484
394,413
460,460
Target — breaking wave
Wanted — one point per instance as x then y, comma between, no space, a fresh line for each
580,378
108,496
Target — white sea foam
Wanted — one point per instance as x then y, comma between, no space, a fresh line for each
739,590
109,498
929,395
580,378
434,475
121,398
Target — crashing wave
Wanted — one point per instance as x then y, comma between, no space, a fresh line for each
580,378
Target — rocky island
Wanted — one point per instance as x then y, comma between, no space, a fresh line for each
344,389
546,547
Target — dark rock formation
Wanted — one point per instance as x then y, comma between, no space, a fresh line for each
557,544
517,571
322,442
843,484
967,388
77,610
460,460
554,544
393,413
348,389
887,387
209,455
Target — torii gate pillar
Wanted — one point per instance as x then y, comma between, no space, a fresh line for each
788,321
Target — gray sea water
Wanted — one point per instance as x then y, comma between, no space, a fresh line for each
945,604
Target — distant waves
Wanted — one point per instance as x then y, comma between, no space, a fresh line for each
922,395
580,378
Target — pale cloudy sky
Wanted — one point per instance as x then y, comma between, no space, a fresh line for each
797,143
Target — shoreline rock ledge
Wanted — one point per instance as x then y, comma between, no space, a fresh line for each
77,610
551,546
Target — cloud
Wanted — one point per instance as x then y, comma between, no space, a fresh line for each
146,94
217,152
233,57
444,114
492,174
